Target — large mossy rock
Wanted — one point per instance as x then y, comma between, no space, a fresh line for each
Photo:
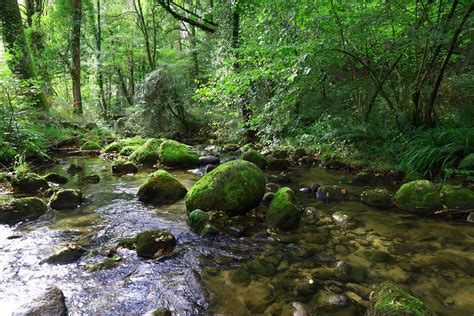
22,209
29,183
148,152
66,199
377,197
91,145
457,197
122,166
234,187
421,196
153,244
118,145
161,188
284,212
56,178
255,157
52,302
176,154
391,299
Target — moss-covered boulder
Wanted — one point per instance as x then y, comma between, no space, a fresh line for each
197,220
284,212
148,152
234,187
457,197
22,209
56,178
161,188
91,145
467,162
66,199
29,183
176,154
117,146
69,254
377,197
122,166
152,244
112,147
255,157
331,193
421,196
391,299
128,150
278,164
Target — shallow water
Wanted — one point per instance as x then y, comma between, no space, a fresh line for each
257,273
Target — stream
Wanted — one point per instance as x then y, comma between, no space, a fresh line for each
234,275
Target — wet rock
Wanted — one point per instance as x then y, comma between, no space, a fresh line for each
66,199
332,193
257,296
457,197
55,178
161,188
73,169
231,147
323,273
305,190
284,212
160,311
299,153
377,198
262,267
315,187
272,187
234,187
334,164
209,168
148,153
353,270
121,166
470,217
310,215
333,304
22,209
281,178
29,183
307,160
52,302
152,244
69,254
278,164
467,162
421,196
209,160
198,220
255,157
341,218
91,145
363,179
391,299
267,198
176,154
241,276
92,179
280,154
247,147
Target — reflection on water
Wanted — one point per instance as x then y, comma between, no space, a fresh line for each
323,260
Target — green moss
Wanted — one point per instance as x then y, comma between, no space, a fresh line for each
148,152
55,178
175,154
66,199
420,196
413,176
106,264
377,197
154,243
457,197
129,243
390,299
29,183
117,146
161,188
122,166
22,209
255,157
234,187
91,145
197,220
112,147
7,154
128,150
283,212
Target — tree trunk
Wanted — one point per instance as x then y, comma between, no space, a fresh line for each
100,74
76,54
14,39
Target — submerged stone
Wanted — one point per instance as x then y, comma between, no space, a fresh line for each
255,157
152,244
121,166
73,169
421,196
66,199
332,193
234,187
29,183
22,209
161,188
176,154
56,178
90,179
457,197
284,212
391,299
52,302
377,197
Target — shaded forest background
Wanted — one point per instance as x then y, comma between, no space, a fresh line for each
387,85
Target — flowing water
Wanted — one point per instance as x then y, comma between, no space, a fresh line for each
252,272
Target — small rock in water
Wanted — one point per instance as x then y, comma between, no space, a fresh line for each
92,179
209,160
56,178
209,168
66,199
52,302
339,217
305,190
73,169
68,254
272,187
267,198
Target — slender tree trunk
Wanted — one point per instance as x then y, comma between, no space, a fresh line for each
131,80
143,28
100,74
76,54
194,53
